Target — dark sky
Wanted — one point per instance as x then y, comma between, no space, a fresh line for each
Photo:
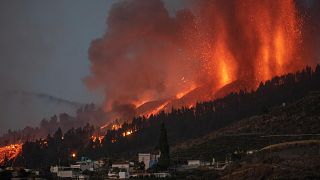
44,44
44,49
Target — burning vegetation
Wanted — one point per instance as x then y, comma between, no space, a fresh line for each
182,124
149,61
10,152
150,64
95,138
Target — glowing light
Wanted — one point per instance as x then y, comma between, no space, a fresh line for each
73,155
183,93
104,126
113,126
158,109
97,138
280,51
141,102
127,133
10,152
225,76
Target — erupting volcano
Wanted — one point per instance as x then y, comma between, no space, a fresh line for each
149,61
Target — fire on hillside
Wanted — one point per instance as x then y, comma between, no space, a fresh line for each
10,152
158,62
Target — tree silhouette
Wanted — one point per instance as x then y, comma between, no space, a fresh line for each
182,124
164,160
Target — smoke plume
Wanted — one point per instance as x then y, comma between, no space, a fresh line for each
147,55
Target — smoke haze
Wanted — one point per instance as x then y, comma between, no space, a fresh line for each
30,108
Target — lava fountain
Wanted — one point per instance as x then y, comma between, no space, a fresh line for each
148,58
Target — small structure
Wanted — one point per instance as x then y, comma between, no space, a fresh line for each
251,151
123,165
148,159
162,175
83,177
197,163
67,172
54,169
194,162
119,170
123,175
85,164
220,165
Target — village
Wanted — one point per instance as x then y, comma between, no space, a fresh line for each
142,167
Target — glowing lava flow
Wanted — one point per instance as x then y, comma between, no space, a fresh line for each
113,126
157,110
104,126
127,133
97,138
10,152
183,93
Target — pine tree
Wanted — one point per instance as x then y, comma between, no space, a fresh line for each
164,160
5,161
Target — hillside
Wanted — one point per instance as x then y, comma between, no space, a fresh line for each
294,121
293,160
239,121
206,117
282,143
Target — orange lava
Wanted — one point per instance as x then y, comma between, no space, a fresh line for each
157,110
10,152
97,138
183,93
265,40
127,133
113,126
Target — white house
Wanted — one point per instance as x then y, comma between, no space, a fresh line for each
75,169
65,172
148,159
123,175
